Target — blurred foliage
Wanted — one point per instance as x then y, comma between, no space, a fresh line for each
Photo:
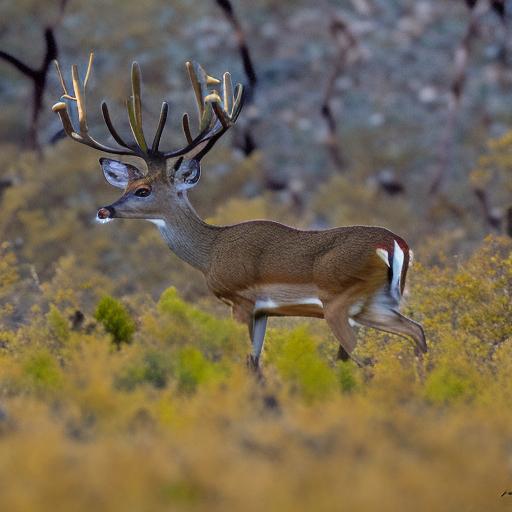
173,420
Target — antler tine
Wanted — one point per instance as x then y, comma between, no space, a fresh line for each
216,113
160,128
200,81
228,98
238,102
134,106
227,110
110,126
80,99
197,87
186,128
61,109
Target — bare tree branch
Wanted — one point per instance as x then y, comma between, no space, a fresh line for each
509,221
492,217
20,66
241,40
246,141
39,75
346,43
460,65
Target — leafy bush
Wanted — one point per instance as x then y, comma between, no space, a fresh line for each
445,384
181,323
116,319
296,359
41,372
153,368
347,376
192,370
173,418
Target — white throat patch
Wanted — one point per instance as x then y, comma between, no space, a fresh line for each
103,221
158,222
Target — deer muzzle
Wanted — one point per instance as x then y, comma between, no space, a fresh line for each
107,212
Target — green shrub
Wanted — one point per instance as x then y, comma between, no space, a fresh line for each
183,323
193,369
41,372
58,325
154,369
116,319
446,385
347,379
182,493
298,362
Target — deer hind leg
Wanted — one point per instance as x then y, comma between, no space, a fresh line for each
392,321
336,316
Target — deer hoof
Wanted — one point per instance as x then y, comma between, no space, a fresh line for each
253,364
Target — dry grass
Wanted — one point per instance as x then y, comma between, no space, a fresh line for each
172,420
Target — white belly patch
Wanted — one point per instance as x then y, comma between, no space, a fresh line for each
266,304
278,296
275,296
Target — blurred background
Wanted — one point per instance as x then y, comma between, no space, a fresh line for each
393,113
122,381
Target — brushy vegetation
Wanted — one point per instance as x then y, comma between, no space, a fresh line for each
123,384
173,421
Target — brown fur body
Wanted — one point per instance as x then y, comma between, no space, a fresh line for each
257,260
250,254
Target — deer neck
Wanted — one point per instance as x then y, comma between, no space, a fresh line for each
186,234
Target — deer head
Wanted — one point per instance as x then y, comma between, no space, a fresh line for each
147,190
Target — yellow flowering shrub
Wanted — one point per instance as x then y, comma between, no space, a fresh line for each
174,420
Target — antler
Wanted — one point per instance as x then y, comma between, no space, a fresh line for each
216,115
61,109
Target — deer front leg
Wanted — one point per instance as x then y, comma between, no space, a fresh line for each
257,331
243,311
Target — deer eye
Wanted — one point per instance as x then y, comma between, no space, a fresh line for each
143,192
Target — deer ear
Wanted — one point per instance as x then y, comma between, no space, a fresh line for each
118,173
187,174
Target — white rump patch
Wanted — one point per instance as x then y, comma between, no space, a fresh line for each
356,308
398,262
383,255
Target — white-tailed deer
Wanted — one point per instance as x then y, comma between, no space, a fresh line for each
260,268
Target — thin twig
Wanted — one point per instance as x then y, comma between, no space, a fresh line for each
241,40
492,217
346,43
508,226
39,75
248,143
460,66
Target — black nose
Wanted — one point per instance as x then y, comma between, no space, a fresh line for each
106,212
